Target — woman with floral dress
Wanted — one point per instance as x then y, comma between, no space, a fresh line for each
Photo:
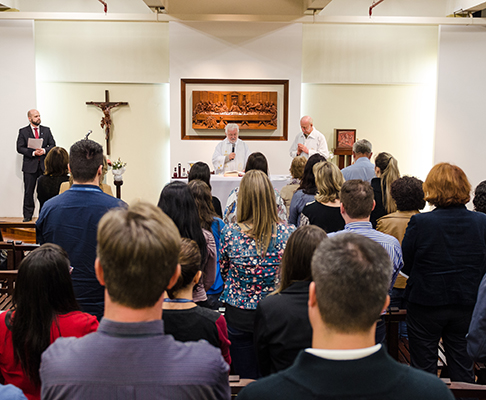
251,252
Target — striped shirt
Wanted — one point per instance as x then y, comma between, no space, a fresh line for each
389,243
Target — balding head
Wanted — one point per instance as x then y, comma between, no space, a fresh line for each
306,124
34,117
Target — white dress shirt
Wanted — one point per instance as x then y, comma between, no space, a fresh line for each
315,143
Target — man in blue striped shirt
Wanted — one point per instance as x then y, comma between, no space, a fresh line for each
357,202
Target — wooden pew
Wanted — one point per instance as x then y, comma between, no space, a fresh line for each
237,384
397,347
7,282
466,390
10,249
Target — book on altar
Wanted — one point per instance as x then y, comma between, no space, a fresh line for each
34,143
233,174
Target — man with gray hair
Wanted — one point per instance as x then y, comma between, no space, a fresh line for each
232,153
350,289
362,168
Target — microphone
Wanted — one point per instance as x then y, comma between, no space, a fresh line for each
89,133
233,150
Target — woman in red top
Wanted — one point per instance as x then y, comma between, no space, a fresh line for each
44,309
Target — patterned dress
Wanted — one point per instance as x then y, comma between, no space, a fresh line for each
230,210
248,276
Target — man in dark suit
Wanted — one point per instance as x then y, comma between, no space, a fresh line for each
33,163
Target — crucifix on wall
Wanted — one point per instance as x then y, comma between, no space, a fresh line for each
106,106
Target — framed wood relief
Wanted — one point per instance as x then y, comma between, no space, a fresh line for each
258,107
345,139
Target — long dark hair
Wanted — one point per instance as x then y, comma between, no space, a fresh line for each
257,161
204,203
297,257
200,171
43,290
308,183
177,202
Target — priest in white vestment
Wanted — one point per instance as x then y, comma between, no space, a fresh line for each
230,154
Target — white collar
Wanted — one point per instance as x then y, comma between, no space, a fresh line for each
352,354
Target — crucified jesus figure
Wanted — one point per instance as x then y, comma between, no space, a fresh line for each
106,106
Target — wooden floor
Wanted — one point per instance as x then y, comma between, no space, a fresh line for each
14,229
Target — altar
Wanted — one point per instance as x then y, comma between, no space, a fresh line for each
222,186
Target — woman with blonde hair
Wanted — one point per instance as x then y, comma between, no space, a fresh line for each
444,256
325,210
251,252
387,172
296,171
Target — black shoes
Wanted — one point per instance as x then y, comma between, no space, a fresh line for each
27,219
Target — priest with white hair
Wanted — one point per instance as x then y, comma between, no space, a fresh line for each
232,153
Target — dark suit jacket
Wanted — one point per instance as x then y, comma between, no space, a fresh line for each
31,162
444,253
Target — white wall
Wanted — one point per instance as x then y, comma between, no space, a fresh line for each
234,51
379,80
17,88
461,106
78,61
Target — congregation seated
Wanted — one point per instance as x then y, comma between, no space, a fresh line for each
306,191
184,319
178,203
325,210
282,327
296,172
351,276
386,170
251,252
201,171
256,161
44,308
55,174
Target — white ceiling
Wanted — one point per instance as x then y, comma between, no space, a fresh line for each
243,10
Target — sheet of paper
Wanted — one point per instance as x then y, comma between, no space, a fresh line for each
35,143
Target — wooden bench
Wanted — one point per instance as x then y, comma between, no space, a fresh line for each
466,390
16,252
7,288
237,384
397,347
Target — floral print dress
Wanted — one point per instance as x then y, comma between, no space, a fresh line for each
248,276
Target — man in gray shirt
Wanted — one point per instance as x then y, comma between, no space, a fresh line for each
362,168
130,356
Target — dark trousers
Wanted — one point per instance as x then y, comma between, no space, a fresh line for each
30,180
243,354
397,299
426,325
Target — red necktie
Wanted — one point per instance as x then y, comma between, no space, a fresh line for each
36,133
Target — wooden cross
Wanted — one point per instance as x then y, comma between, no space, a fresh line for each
106,107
